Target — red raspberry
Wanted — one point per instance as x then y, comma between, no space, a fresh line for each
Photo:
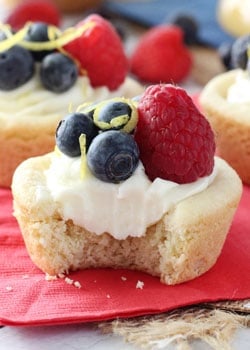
34,11
100,52
175,140
161,56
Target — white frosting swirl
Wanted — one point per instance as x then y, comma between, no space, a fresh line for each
239,91
124,209
32,101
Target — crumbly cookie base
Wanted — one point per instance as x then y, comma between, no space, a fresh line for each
29,137
184,244
230,122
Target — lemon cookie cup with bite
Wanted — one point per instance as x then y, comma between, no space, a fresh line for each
102,200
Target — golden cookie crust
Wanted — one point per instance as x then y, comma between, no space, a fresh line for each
230,121
184,244
29,136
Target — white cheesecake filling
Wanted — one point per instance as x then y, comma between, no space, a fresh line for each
122,210
239,91
31,100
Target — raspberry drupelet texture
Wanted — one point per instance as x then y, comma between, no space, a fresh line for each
100,53
175,140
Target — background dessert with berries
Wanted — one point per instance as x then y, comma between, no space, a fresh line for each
225,101
132,184
45,70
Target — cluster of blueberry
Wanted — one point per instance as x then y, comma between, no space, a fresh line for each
112,154
236,54
58,72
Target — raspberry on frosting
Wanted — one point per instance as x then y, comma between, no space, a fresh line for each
175,140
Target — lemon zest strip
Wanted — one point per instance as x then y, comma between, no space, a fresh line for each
84,167
6,29
56,43
68,35
119,121
14,38
84,106
57,151
53,32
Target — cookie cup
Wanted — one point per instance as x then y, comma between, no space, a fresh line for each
28,129
230,121
184,244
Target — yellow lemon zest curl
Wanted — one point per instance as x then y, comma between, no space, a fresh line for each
86,107
57,151
84,167
125,122
14,39
6,29
58,38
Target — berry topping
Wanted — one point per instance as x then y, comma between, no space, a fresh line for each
175,140
58,72
100,53
16,68
33,10
93,45
117,114
113,156
161,56
69,131
239,55
224,52
189,26
39,32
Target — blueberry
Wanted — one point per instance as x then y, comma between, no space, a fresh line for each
116,114
189,26
224,52
70,129
248,66
113,156
58,72
16,68
239,49
38,32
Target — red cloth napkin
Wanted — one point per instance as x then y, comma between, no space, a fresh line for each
26,298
